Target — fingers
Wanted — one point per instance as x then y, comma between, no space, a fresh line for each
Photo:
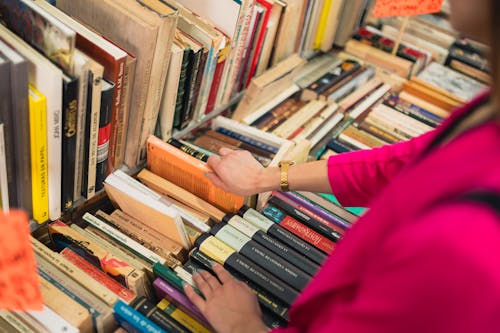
222,274
214,161
225,151
210,279
206,283
194,298
216,180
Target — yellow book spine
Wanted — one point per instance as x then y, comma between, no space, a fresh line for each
38,140
323,20
182,317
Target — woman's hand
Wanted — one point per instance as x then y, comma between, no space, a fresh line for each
229,305
237,171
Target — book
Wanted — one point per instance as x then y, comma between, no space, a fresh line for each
157,315
133,321
15,323
64,236
66,307
69,119
164,290
265,298
145,31
330,230
4,185
228,257
119,290
143,234
183,318
103,136
58,43
114,61
329,206
359,138
306,113
188,149
18,140
53,321
257,253
144,207
93,111
298,229
39,170
188,172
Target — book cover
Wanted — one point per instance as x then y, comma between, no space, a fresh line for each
182,317
41,30
189,173
39,168
156,314
103,136
8,165
133,321
4,186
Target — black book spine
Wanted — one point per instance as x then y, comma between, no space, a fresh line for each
266,300
6,119
107,92
155,314
339,147
312,256
244,266
70,112
188,150
181,90
199,77
21,134
86,154
266,259
194,65
306,220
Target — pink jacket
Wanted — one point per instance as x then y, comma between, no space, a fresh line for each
421,259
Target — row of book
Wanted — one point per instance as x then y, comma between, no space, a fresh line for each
364,96
124,264
100,84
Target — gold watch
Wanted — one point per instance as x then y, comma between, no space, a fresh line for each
284,165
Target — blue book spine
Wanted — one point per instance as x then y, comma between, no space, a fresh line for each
248,140
133,321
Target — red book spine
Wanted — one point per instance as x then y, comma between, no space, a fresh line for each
125,294
307,234
219,69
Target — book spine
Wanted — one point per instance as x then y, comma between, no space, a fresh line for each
156,315
260,255
168,275
74,272
188,150
273,245
8,197
97,317
248,140
181,91
39,168
414,111
133,321
163,289
116,130
70,110
144,235
307,234
226,256
269,226
339,147
378,132
16,322
317,212
240,144
50,318
189,86
104,133
198,85
20,136
64,236
83,78
298,212
124,240
265,299
216,82
329,206
125,294
180,316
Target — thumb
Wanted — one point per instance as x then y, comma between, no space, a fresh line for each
216,180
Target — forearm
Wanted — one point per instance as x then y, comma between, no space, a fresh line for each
312,177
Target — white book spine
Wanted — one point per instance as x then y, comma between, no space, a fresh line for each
123,239
369,101
52,321
94,133
327,127
4,187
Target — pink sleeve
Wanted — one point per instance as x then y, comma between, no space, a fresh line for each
438,274
357,177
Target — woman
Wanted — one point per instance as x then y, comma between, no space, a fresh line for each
424,257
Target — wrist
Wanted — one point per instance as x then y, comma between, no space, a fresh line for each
268,179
